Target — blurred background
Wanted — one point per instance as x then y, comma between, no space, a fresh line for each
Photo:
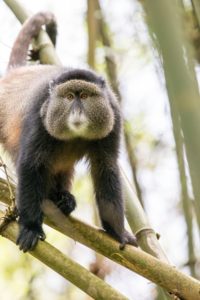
154,170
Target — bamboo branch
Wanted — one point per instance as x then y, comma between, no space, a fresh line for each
67,268
132,258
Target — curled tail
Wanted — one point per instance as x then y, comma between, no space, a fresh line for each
30,29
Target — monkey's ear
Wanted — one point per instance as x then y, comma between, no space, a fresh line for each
43,109
51,86
102,82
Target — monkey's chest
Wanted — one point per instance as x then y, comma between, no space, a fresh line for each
66,157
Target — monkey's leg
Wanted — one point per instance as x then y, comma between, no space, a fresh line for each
109,198
60,195
30,193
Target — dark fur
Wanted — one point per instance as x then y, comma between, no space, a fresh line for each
37,153
79,74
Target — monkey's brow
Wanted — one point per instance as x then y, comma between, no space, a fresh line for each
78,85
79,90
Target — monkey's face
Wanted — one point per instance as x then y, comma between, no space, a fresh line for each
78,109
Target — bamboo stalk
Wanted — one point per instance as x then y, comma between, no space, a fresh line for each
196,6
128,136
67,268
181,82
111,66
132,258
92,32
177,131
186,202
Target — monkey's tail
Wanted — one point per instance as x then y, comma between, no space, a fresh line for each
29,30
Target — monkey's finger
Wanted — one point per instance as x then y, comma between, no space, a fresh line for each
34,242
22,232
28,239
24,244
42,235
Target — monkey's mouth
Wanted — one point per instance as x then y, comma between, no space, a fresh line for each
77,123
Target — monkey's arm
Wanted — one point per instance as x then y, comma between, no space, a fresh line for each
33,178
59,192
108,190
30,193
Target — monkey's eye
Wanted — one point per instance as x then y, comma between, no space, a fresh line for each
70,96
83,96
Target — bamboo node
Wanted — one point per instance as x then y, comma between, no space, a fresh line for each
143,231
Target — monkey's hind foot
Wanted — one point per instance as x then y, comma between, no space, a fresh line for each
128,238
29,236
124,237
65,202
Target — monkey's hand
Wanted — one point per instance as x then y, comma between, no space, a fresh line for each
29,236
128,238
65,201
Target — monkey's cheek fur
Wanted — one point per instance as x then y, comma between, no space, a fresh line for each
100,124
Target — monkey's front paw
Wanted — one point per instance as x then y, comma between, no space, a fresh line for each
29,236
128,238
66,202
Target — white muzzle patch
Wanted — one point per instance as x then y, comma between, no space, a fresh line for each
77,122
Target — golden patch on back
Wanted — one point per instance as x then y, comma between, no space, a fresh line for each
16,96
